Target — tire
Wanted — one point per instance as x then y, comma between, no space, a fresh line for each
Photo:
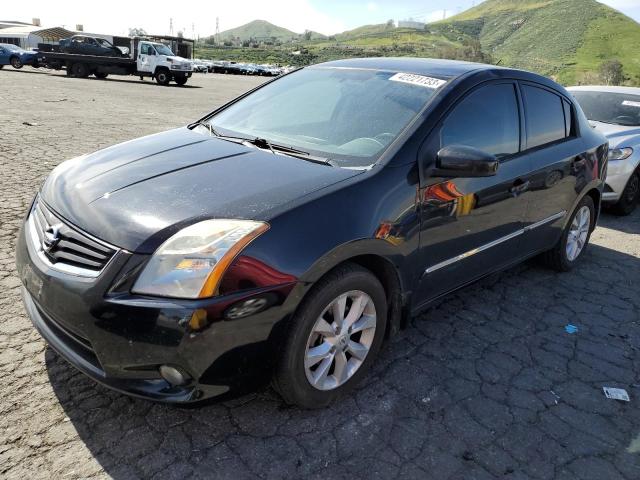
163,77
630,196
1,67
559,258
101,75
181,80
292,378
16,63
80,70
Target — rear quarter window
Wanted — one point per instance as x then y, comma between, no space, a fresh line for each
545,116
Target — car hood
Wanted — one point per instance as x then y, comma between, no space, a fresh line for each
179,59
135,194
618,135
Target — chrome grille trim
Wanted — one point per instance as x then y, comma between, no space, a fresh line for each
75,253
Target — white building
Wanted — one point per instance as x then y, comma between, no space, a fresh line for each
29,36
411,24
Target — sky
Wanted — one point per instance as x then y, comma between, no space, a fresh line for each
198,18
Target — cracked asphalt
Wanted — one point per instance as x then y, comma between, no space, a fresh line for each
486,384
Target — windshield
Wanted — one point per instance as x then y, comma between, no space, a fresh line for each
104,43
162,49
9,46
349,116
616,108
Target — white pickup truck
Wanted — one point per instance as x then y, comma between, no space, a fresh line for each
146,59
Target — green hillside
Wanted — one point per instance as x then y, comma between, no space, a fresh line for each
259,29
567,39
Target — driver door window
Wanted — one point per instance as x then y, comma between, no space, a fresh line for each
488,119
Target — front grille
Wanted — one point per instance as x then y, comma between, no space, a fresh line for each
65,247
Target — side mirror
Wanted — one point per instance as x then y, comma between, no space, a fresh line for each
464,161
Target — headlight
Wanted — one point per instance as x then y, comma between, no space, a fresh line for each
620,153
192,262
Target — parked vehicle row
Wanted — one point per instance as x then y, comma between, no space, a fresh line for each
235,68
286,234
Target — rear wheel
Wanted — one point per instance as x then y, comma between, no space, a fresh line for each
16,62
163,77
630,196
80,70
574,240
334,338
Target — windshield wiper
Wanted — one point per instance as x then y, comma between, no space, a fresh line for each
292,152
265,144
214,133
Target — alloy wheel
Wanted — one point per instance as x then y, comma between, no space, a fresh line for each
340,340
578,233
631,192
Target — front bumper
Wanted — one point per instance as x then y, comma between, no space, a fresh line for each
121,340
618,174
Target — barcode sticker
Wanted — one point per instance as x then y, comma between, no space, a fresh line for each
420,80
630,103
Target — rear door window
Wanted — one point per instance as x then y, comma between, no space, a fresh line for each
488,119
545,116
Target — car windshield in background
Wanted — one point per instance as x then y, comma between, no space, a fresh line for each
104,43
9,46
162,49
349,116
607,107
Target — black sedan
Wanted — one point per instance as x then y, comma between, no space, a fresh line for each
85,45
284,236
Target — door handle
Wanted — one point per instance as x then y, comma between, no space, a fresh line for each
519,186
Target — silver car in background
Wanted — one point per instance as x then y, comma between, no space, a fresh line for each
615,112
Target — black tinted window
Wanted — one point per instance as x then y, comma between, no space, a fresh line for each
487,119
544,114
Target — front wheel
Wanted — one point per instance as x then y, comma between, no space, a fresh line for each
630,196
574,240
101,75
163,78
16,63
182,80
334,338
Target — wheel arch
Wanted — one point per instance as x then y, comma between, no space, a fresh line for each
379,260
592,189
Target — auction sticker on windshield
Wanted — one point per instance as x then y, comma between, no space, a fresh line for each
420,80
629,103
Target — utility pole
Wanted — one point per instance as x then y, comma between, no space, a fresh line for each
171,26
217,37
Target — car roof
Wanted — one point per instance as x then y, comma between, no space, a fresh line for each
605,88
419,66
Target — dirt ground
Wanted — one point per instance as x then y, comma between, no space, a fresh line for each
486,384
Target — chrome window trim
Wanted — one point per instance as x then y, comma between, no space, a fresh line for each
494,243
62,267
